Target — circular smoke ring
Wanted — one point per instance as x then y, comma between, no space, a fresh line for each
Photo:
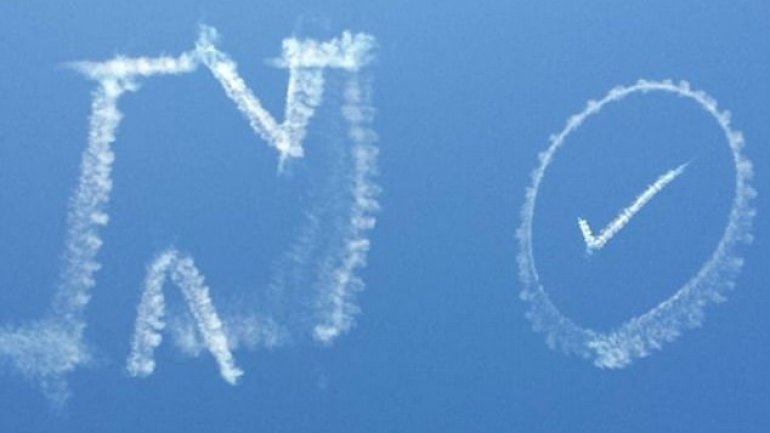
639,336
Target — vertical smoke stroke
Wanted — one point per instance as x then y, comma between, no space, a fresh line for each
149,320
340,283
597,242
639,336
88,205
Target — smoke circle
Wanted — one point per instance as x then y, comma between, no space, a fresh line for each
638,336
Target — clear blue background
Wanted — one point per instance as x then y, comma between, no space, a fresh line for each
466,96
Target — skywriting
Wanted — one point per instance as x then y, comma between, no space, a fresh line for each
50,348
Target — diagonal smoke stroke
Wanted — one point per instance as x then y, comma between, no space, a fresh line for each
306,61
597,242
639,336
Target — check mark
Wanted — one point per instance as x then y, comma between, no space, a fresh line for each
596,242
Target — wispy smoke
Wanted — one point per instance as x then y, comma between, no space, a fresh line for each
340,282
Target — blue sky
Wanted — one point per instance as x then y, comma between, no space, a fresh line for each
465,97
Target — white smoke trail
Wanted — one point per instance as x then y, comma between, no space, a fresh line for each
49,349
53,347
196,293
130,68
597,242
339,284
640,335
306,61
149,321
